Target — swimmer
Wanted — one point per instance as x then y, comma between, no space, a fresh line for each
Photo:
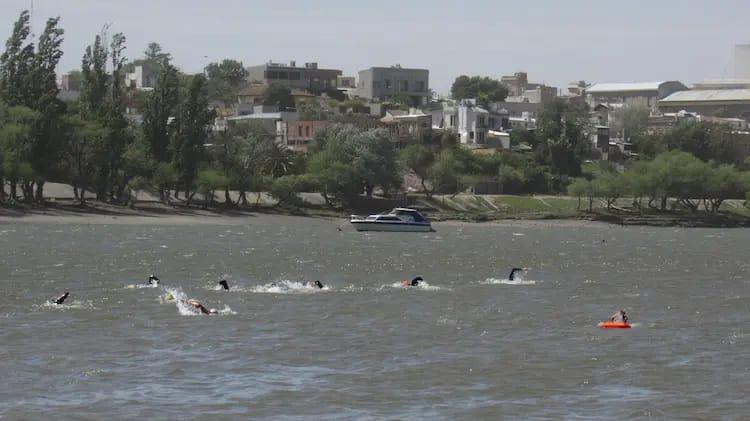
619,317
224,285
515,271
309,284
197,304
153,280
413,283
61,298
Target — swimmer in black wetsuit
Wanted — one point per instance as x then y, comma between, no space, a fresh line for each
413,283
153,280
61,298
224,285
514,272
310,284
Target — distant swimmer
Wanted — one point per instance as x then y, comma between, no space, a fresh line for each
515,272
61,298
413,283
153,280
224,285
197,304
620,317
317,284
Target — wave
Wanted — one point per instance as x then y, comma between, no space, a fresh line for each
72,305
495,281
288,287
422,285
139,286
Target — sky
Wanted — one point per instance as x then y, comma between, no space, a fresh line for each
555,42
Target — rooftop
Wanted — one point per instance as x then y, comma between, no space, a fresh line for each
711,95
624,87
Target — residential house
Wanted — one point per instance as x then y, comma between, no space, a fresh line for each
520,90
270,118
406,126
143,78
301,133
382,83
309,78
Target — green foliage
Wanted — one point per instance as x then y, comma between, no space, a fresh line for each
191,132
161,104
418,159
224,80
209,181
484,89
285,190
344,162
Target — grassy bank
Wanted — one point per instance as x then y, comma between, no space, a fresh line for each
462,207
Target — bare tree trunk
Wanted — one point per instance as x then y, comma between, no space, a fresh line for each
227,198
2,189
40,192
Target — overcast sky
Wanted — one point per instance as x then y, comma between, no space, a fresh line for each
554,41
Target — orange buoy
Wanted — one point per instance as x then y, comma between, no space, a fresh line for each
614,325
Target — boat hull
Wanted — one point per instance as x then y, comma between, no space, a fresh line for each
391,226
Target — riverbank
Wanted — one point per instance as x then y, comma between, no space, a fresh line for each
440,209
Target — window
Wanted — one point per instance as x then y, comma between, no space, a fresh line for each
375,85
471,135
307,131
387,84
452,120
272,74
404,85
300,130
294,76
283,75
420,86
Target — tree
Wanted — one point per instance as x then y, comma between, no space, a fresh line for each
279,96
224,80
418,159
580,187
344,162
84,141
191,131
16,64
46,149
475,86
208,182
160,106
630,121
16,137
561,142
155,54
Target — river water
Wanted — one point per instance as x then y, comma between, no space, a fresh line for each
468,345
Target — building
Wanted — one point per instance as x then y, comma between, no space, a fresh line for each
712,84
406,126
143,78
301,133
251,94
645,94
346,82
719,102
472,122
520,90
269,117
309,78
382,83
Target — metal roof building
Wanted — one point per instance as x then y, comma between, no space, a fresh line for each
713,102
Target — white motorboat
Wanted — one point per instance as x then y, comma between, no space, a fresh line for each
397,220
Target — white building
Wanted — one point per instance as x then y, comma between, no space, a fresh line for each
142,78
470,121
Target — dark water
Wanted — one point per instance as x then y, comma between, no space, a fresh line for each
466,347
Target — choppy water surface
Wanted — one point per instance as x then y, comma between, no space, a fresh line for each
468,345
